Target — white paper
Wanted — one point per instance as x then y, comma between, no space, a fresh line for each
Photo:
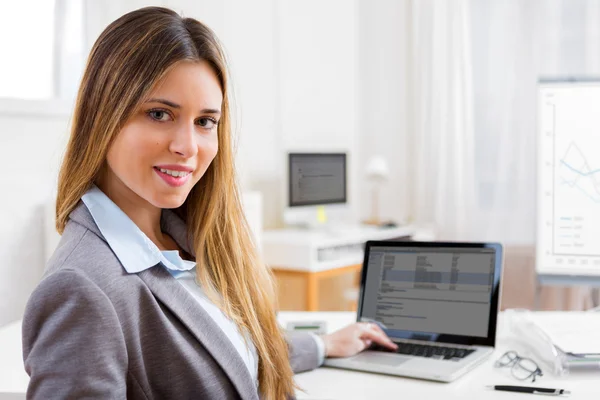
573,332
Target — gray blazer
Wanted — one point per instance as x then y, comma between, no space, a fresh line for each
91,330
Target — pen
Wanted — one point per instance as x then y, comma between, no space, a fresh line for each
585,355
530,389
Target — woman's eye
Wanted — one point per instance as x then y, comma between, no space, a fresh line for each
207,123
159,115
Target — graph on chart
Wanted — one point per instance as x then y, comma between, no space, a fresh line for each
569,177
577,174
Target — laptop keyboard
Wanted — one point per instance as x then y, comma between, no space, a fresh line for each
435,352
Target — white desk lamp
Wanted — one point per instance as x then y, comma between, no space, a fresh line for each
377,173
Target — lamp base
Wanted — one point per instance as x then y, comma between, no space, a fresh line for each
372,221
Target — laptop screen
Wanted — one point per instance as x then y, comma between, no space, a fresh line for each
434,290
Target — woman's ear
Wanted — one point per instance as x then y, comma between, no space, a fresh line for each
101,175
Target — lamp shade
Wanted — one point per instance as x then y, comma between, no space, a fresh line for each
377,169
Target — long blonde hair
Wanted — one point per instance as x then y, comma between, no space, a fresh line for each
128,59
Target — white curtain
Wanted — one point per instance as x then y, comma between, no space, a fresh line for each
514,43
441,128
474,70
473,81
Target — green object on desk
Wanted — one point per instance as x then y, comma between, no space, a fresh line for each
318,327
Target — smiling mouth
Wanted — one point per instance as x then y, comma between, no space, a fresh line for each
173,173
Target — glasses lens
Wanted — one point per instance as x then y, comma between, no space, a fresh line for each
507,358
525,368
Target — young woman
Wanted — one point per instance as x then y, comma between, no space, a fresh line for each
155,290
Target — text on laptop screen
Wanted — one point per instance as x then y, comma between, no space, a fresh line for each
436,290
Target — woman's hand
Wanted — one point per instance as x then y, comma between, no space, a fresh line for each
355,338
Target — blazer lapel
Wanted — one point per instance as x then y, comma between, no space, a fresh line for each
175,297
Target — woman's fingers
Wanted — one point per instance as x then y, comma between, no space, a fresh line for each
377,328
375,334
367,343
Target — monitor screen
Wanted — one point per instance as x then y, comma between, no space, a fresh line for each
428,291
316,179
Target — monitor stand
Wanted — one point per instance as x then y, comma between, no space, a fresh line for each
334,219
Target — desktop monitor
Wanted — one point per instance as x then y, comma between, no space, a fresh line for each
316,182
316,179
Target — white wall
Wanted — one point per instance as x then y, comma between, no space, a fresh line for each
294,65
317,85
32,138
252,46
382,102
295,79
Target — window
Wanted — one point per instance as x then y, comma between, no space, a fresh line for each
43,49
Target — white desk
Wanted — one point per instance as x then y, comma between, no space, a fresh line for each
329,383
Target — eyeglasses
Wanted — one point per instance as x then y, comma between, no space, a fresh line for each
521,368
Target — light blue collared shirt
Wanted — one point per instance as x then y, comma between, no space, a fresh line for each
137,253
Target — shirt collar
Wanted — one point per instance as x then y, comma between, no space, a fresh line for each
131,246
182,265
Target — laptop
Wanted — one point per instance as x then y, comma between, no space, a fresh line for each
438,301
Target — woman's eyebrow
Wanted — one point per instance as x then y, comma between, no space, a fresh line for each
175,105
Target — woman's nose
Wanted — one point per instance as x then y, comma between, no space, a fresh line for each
184,140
